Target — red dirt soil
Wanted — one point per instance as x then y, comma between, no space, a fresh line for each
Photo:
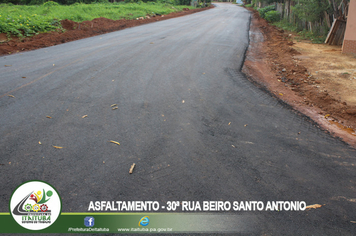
75,31
271,64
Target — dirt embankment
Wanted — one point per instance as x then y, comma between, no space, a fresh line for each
316,80
74,31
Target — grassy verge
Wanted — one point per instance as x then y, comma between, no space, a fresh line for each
25,21
302,34
274,17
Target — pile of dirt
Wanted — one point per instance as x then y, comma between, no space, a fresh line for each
273,62
74,31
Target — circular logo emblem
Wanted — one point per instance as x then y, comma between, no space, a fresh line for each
35,205
144,221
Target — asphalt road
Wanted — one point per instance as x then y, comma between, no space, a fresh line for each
196,128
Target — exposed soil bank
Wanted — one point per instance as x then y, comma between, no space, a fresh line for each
273,63
75,31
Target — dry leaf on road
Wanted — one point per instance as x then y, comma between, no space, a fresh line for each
313,206
57,147
84,116
12,96
114,142
49,117
132,167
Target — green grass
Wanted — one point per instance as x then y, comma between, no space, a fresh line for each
22,21
315,38
22,24
285,25
302,34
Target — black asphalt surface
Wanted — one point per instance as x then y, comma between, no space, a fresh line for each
196,128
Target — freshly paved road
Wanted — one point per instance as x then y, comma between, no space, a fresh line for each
196,128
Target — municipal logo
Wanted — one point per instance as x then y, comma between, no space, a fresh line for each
35,205
144,221
89,221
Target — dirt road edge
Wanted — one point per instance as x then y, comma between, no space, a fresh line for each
75,31
257,69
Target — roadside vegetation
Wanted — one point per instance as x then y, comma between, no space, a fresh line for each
315,37
310,19
28,20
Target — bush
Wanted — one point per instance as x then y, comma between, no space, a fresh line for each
249,5
50,4
264,10
23,26
273,16
286,25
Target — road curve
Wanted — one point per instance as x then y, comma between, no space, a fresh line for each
196,128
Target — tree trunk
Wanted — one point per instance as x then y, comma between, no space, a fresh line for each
335,10
327,19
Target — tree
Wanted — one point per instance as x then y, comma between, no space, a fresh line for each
310,10
332,3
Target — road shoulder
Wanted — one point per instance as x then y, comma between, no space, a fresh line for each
275,63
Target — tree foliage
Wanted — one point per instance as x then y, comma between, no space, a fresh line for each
69,2
40,2
310,10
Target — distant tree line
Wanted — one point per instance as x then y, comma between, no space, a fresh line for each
309,10
69,2
316,16
38,2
